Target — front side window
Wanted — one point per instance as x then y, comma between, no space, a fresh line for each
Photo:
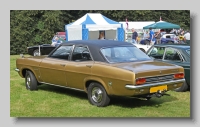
63,52
124,54
81,53
157,52
172,54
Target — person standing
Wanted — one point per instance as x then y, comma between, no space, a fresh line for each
134,36
54,41
158,36
187,37
146,35
101,36
151,36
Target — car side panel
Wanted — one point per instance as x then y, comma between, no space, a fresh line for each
53,71
76,72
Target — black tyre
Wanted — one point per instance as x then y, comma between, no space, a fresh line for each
30,81
183,88
97,95
36,52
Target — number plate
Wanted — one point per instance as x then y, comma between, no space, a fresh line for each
155,89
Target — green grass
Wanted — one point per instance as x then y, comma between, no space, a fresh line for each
50,101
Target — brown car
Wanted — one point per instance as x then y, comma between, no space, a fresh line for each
101,68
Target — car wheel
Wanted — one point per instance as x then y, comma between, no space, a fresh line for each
30,81
97,95
142,50
36,52
183,88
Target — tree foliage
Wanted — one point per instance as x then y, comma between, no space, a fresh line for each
33,27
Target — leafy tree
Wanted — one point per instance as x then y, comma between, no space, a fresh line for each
33,27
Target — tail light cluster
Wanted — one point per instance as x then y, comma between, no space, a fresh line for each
140,81
178,75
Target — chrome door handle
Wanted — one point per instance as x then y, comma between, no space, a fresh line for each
89,66
62,65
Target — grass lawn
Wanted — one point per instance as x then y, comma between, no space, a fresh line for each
50,101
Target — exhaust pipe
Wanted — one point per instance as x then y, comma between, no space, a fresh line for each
159,94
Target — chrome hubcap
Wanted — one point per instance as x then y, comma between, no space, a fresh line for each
28,81
97,94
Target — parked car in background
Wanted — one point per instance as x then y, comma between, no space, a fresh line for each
38,50
101,68
169,38
178,54
45,49
61,35
142,47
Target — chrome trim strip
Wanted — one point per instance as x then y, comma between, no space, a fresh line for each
17,70
62,86
154,84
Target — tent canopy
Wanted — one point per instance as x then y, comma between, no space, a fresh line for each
94,22
90,24
162,25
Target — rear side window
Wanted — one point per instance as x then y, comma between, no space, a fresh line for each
157,52
81,53
172,54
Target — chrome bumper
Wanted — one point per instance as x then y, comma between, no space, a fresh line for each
132,87
17,70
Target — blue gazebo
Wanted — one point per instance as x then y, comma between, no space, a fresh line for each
91,22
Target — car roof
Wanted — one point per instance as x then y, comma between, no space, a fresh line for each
97,43
95,46
181,46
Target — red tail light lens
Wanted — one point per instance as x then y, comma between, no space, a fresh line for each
140,81
179,75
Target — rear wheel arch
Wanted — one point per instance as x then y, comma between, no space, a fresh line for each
88,82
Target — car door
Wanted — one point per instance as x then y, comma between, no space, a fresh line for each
173,56
79,68
52,68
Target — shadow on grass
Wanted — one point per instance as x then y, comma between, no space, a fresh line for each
116,101
66,91
138,102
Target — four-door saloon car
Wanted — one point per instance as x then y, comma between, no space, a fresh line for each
101,68
178,54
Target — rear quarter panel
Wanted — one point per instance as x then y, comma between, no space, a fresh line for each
112,78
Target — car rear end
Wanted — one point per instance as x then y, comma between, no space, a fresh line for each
152,79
